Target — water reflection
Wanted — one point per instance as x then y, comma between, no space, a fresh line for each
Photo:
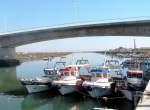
46,101
73,103
8,81
35,101
119,104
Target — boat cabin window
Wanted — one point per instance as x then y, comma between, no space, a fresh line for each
72,74
139,76
66,73
112,63
105,75
102,75
52,72
82,62
99,75
134,75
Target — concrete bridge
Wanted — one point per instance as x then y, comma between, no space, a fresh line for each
9,41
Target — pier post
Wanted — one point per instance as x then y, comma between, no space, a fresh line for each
8,56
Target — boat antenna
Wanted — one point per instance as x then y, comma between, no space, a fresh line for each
50,60
104,59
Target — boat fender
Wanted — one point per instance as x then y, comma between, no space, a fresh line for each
79,84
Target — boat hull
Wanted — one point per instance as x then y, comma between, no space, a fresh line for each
135,83
36,88
128,94
67,89
96,92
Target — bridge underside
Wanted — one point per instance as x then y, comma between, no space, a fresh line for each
128,28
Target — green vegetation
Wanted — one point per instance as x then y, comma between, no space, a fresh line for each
39,55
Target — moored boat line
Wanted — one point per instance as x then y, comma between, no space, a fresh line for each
97,81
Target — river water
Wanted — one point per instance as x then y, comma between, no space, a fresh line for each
13,96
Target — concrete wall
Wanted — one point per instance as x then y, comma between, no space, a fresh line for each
7,53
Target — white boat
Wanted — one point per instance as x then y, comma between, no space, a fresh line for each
69,80
36,85
100,83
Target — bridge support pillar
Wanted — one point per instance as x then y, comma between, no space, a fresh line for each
8,57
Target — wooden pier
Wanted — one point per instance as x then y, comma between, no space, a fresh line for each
144,102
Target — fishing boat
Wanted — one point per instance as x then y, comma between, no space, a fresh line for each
52,71
35,85
115,67
135,78
83,63
69,80
100,82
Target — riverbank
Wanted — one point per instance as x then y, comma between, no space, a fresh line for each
39,55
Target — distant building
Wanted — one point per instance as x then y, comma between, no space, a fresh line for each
134,44
122,50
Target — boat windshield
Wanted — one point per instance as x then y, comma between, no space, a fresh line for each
68,73
112,63
104,70
65,74
135,75
50,72
82,61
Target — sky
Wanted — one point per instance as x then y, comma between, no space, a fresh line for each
30,14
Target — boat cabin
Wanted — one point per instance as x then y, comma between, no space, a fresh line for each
83,62
100,74
69,71
135,74
113,64
130,64
50,72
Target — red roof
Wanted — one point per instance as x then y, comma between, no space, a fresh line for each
68,70
135,72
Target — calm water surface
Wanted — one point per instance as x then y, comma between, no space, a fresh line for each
14,97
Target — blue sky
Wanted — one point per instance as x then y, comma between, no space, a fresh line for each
26,14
